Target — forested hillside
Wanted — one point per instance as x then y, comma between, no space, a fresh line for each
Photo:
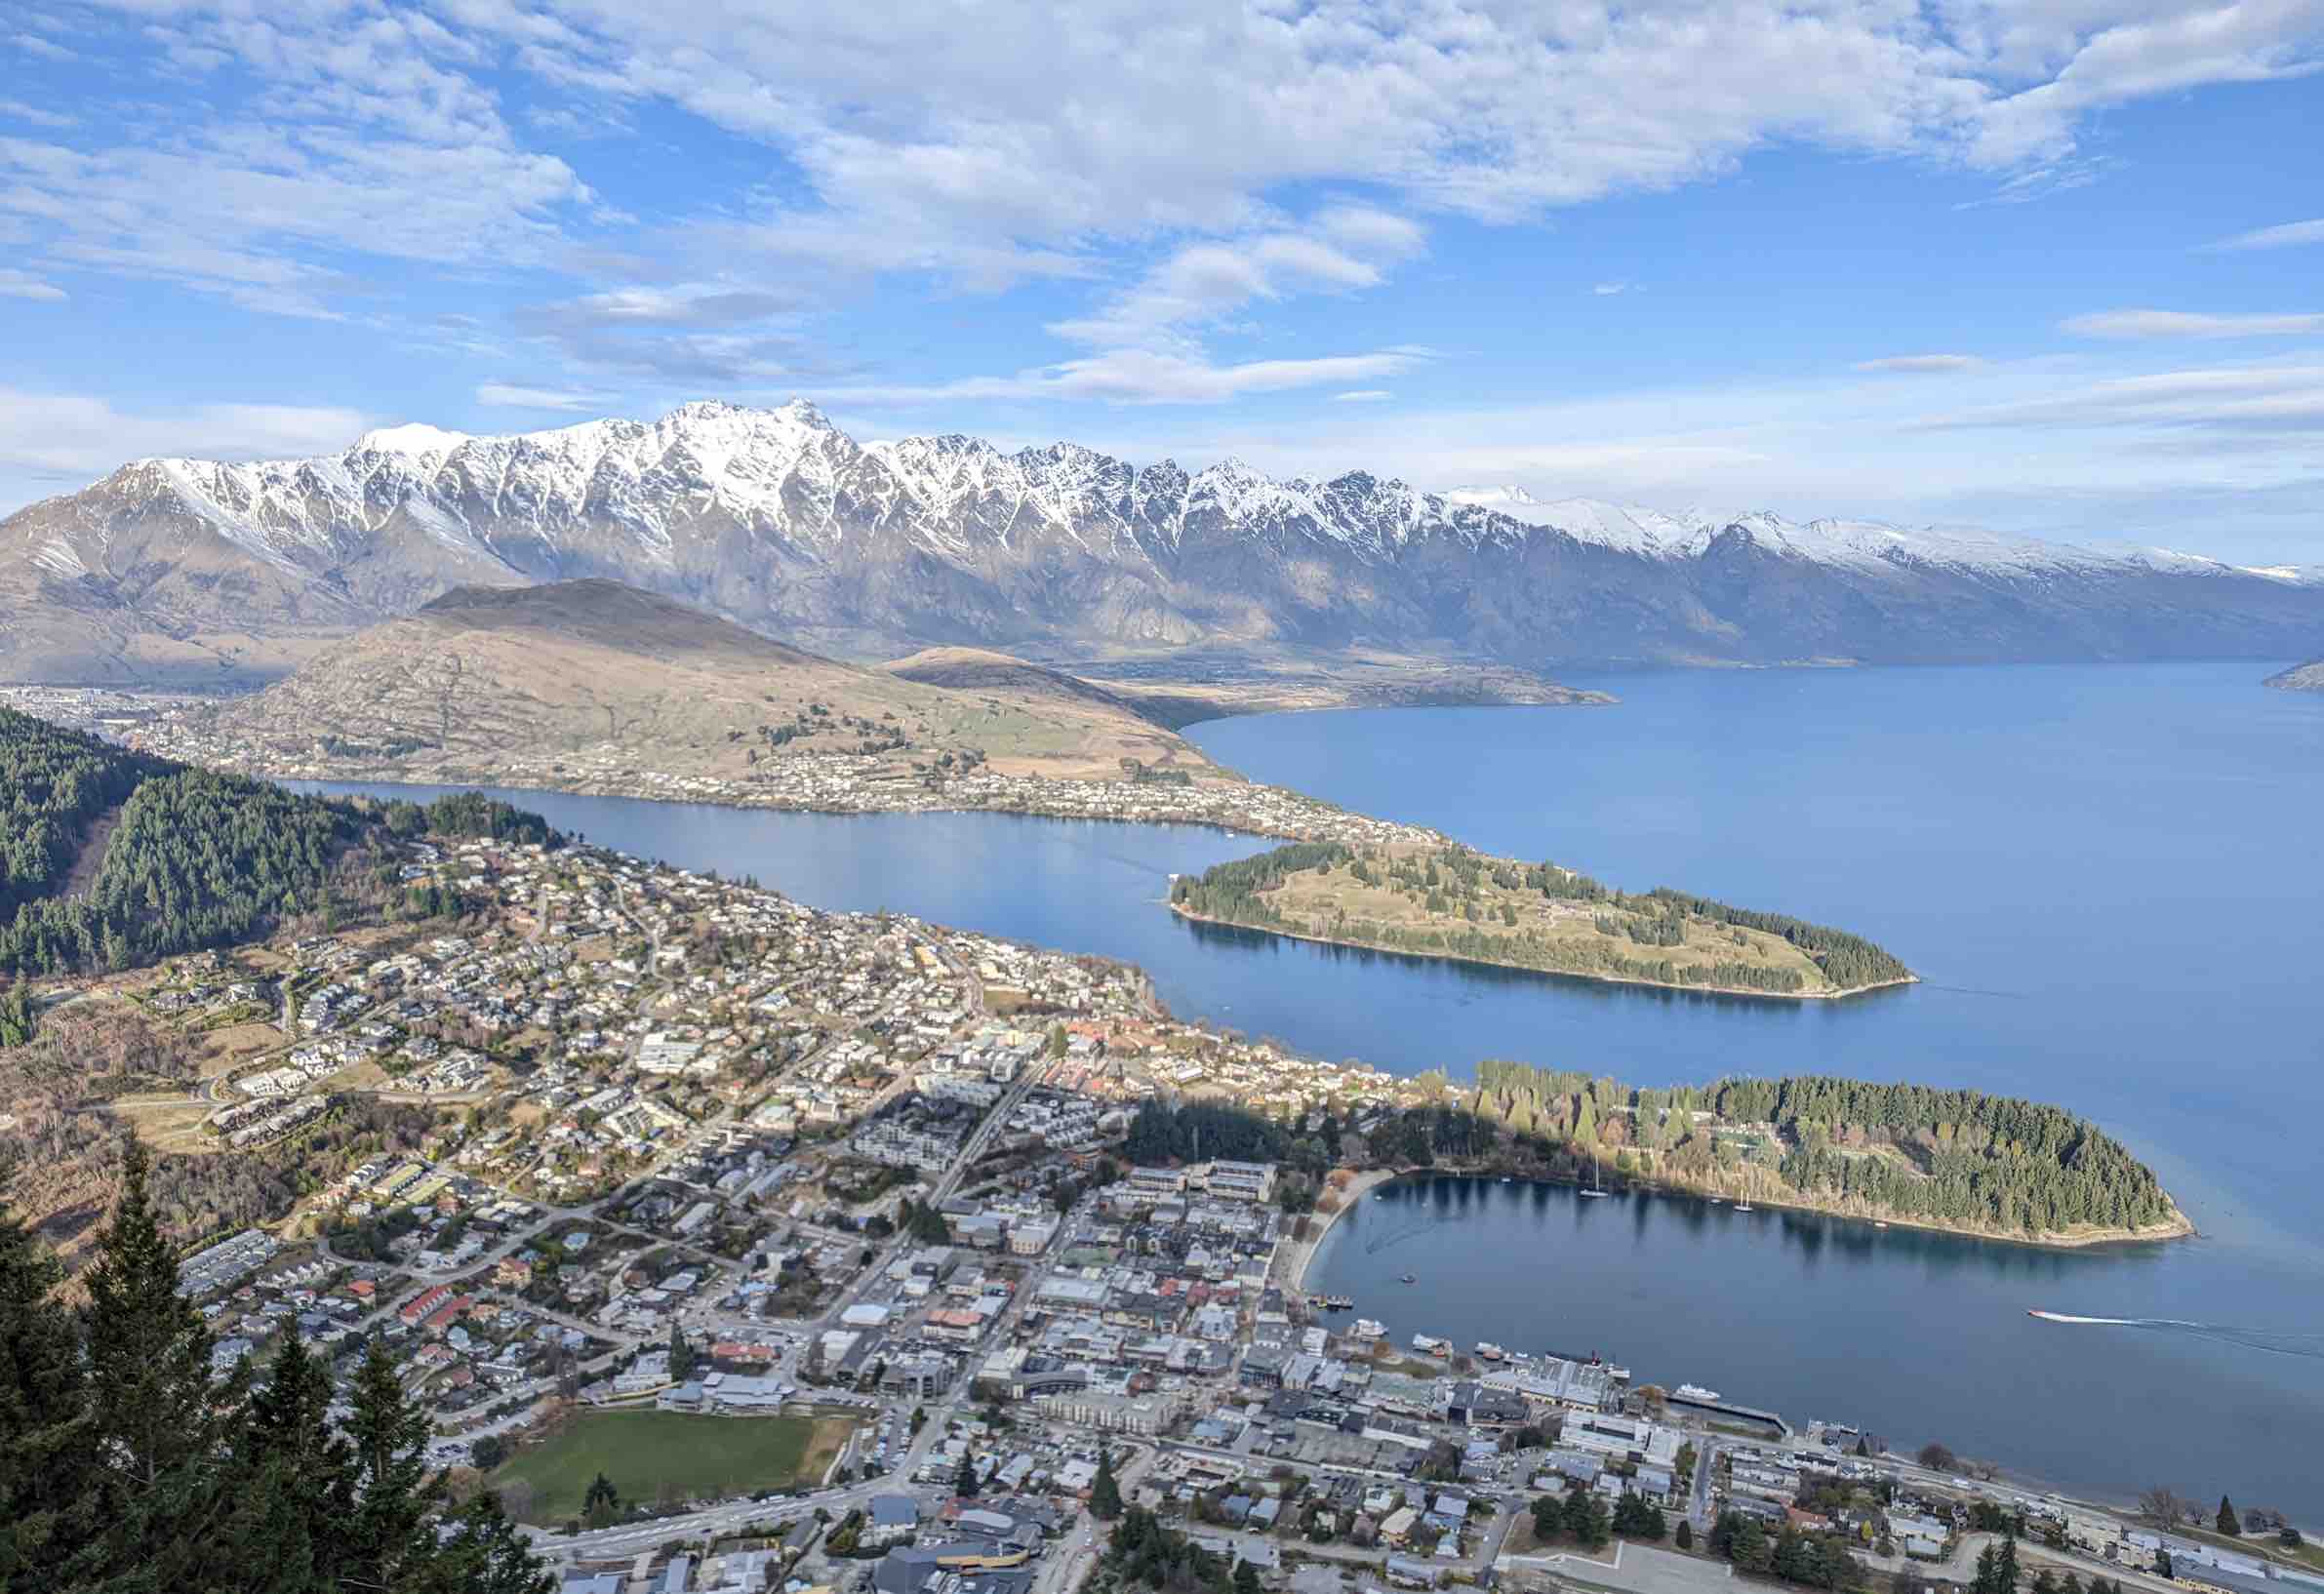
1451,901
55,784
194,859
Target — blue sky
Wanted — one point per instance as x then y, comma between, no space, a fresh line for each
2054,266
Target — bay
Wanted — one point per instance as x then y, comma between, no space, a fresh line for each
2109,876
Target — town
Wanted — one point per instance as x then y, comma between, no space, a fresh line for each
831,782
749,1246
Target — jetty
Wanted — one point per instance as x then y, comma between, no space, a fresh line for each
1718,1406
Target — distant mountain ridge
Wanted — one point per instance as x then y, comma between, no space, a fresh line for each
2300,678
779,521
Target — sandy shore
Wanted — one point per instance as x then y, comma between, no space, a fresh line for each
1293,1257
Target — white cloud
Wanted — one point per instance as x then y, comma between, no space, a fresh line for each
14,283
1921,363
1362,395
15,110
1607,290
1144,377
2268,399
2190,324
516,396
2289,236
72,437
1343,249
2088,62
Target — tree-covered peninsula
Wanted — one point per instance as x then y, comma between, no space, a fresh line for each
1958,1160
1447,901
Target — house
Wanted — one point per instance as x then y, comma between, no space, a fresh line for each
1405,1571
893,1517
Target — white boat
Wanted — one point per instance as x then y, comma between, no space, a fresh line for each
1695,1391
1488,1351
1593,1189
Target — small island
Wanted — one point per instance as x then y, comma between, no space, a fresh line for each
1444,900
2308,677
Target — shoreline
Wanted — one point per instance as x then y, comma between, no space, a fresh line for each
1328,815
1545,973
2183,1228
1301,1256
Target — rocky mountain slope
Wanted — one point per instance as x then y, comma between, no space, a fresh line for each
781,522
590,671
2301,678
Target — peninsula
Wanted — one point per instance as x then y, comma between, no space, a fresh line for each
1957,1162
1437,899
2308,677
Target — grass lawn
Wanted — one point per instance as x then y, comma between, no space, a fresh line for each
650,1454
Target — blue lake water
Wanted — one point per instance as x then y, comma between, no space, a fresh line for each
2111,879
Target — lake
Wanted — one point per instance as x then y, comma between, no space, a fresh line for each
2111,879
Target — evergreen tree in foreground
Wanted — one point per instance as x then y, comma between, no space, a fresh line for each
129,1466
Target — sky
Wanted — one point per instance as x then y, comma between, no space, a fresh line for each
2053,266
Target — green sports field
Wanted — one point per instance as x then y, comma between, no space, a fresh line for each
652,1454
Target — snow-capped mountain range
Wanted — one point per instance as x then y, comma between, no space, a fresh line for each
776,519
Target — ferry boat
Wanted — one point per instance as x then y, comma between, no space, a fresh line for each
1337,1304
1365,1329
1695,1391
1429,1345
1488,1351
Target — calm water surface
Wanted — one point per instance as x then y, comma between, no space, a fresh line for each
2111,879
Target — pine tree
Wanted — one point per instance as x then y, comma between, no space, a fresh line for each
161,1420
600,1502
2006,1566
1684,1539
47,1456
483,1553
393,1492
287,1485
1106,1494
2229,1522
1246,1578
964,1478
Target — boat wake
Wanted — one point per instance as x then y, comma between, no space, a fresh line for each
2273,1341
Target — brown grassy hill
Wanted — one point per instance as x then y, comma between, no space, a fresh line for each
977,669
595,667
